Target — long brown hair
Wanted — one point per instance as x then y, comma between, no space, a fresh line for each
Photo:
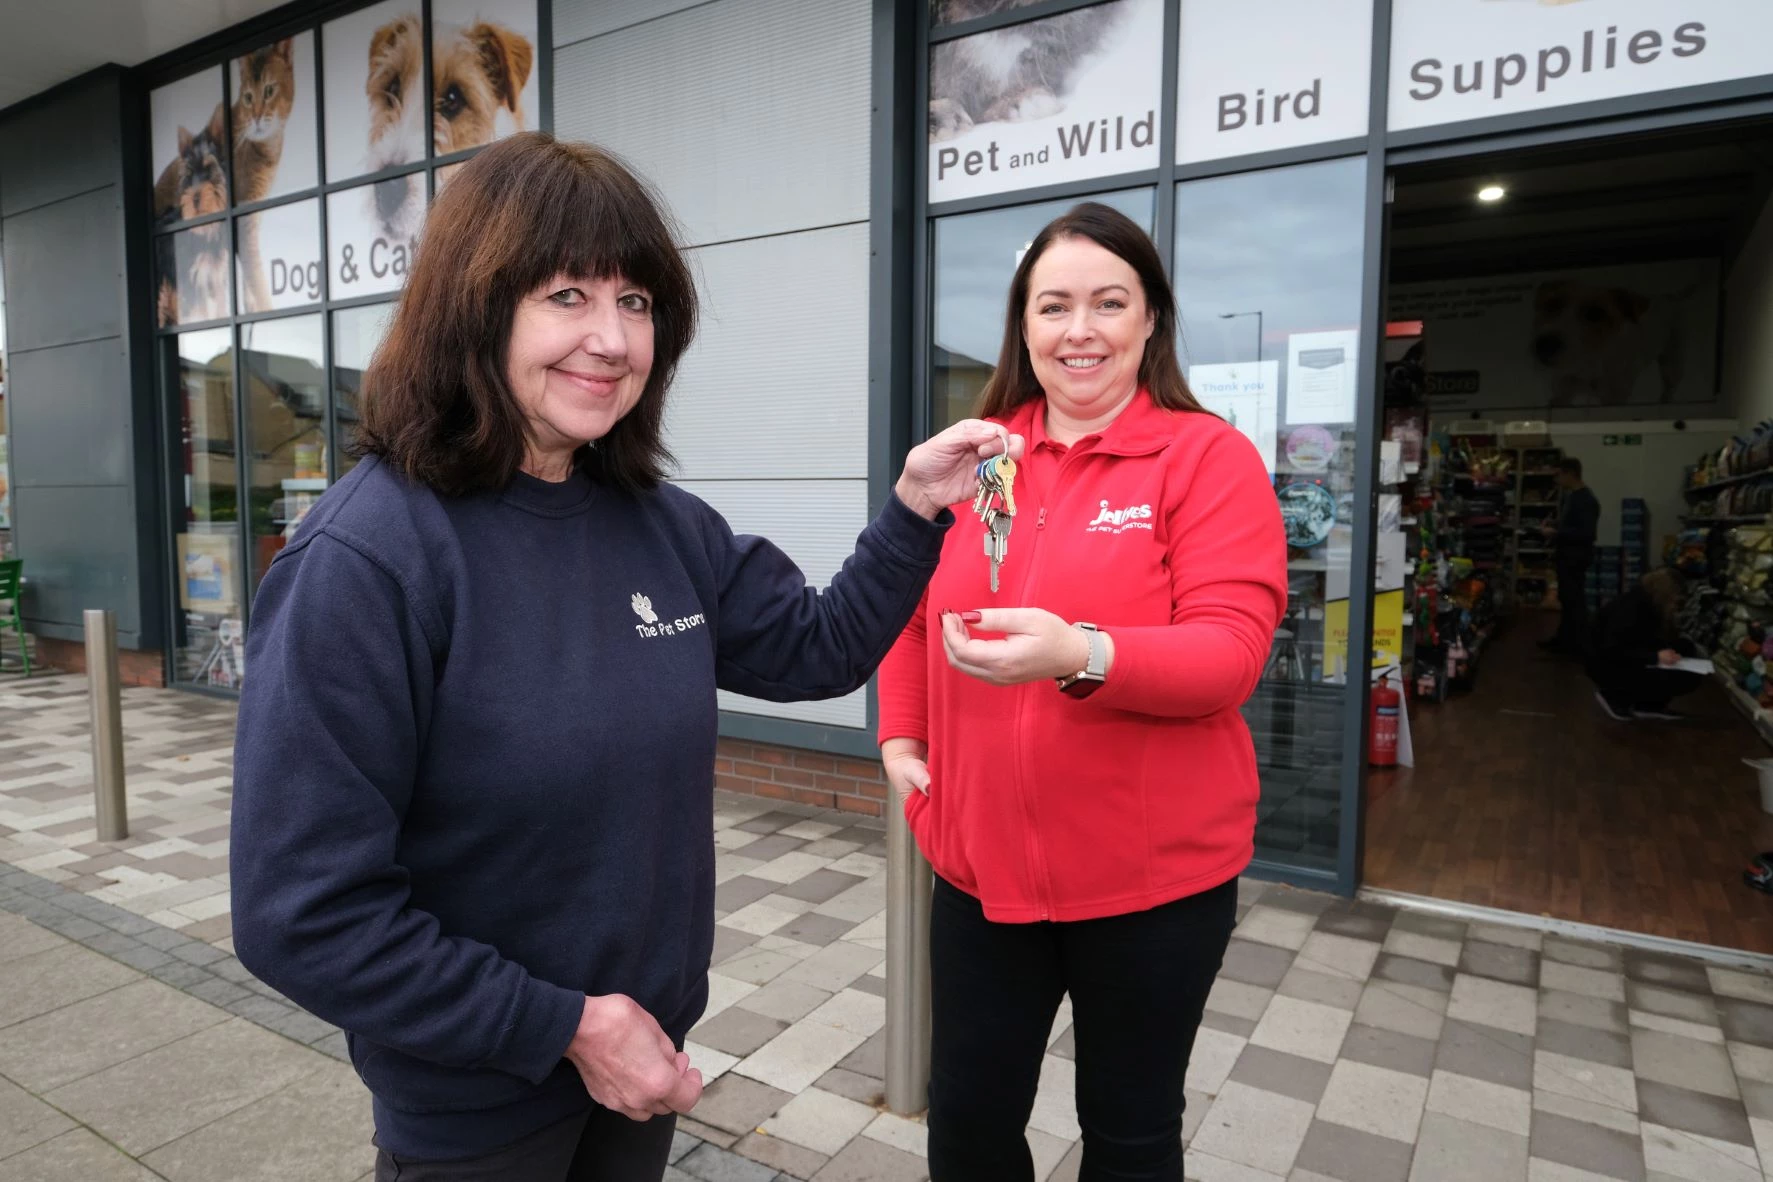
1014,382
436,401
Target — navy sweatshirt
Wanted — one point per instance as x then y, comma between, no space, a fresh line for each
474,768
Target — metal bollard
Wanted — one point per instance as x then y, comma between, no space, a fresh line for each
909,883
103,686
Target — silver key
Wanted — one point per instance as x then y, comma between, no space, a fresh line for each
997,543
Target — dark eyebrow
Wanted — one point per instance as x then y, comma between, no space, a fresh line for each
1097,292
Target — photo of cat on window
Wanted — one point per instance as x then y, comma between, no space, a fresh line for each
267,93
192,266
1012,74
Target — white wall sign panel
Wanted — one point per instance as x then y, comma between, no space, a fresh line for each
815,522
1261,75
750,116
777,380
1062,98
1454,60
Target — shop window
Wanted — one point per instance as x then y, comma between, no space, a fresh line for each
975,257
372,235
209,638
356,333
276,140
250,222
1268,279
1057,99
277,258
284,370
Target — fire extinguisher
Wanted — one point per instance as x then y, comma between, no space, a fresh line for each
1382,747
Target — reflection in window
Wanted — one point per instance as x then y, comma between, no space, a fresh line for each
285,377
355,334
975,258
1268,279
209,644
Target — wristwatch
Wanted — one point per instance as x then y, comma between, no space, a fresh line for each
1089,679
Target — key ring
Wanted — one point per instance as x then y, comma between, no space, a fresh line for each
1005,432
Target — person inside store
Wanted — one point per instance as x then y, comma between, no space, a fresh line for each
1069,751
472,816
1572,537
1636,646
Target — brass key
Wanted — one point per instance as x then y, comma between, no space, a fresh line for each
996,507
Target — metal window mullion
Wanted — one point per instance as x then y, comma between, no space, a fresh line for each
1362,580
1165,197
545,63
242,476
326,342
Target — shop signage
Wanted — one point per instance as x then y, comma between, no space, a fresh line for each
1454,60
1062,98
1261,75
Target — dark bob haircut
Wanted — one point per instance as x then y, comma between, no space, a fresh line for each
436,402
1014,382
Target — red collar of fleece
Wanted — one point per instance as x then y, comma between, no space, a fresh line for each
1140,429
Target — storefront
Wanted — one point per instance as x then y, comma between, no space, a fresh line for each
855,181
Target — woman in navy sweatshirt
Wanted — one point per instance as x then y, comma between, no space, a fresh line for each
472,814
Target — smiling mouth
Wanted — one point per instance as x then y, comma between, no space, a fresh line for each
591,382
1081,362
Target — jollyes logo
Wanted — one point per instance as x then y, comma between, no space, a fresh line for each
1115,521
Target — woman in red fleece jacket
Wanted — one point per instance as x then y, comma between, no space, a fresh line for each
1087,835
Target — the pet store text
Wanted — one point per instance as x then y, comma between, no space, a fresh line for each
385,259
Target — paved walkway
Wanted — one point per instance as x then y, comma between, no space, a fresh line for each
1344,1041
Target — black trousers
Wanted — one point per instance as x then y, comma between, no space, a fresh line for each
1138,986
600,1146
1572,570
1629,684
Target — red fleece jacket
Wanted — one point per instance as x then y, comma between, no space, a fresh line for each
1164,531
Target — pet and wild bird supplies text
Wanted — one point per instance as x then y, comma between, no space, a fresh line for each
1076,141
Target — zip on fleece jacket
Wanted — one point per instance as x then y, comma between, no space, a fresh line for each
1162,530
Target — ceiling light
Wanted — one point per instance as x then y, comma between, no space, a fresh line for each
1492,193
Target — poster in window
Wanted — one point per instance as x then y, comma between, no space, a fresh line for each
376,113
952,12
483,65
188,138
372,235
206,571
1245,394
1062,98
278,264
191,275
271,97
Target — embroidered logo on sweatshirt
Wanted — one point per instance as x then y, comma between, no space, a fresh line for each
1117,521
651,625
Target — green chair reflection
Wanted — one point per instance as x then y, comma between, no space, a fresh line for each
11,617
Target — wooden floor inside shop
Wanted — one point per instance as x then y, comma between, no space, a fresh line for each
1525,796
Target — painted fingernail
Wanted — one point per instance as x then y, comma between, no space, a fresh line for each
971,617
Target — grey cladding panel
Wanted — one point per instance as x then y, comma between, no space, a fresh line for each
79,548
70,414
776,383
60,148
751,116
64,267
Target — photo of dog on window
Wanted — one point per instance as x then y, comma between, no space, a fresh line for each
478,74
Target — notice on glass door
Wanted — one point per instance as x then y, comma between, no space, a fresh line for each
1321,376
1245,394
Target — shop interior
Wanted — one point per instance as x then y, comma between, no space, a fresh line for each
1610,303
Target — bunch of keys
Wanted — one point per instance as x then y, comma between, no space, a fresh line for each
996,507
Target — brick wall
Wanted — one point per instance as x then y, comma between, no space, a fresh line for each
807,777
133,667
